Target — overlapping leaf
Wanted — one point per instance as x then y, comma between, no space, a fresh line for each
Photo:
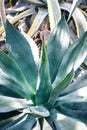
24,123
74,6
53,121
54,13
59,88
79,113
45,87
20,50
37,21
8,104
79,83
74,56
78,16
14,78
57,45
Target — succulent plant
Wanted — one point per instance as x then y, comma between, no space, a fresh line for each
43,86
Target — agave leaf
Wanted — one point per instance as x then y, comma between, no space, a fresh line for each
25,13
73,57
36,2
8,104
53,121
72,97
38,111
45,87
37,21
78,16
11,68
60,87
79,83
74,6
81,105
79,114
26,123
54,12
20,50
58,43
11,120
7,92
15,87
19,7
14,77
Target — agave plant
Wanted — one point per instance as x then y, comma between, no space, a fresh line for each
43,87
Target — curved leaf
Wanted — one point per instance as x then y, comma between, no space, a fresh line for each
78,16
19,7
73,57
79,83
26,123
38,111
59,88
20,50
73,97
25,13
37,21
53,120
5,123
57,44
54,12
74,5
22,91
36,2
78,114
8,104
14,77
45,87
7,92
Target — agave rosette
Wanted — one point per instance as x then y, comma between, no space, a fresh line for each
40,88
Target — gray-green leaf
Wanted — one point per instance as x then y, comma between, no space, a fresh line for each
57,44
44,87
73,58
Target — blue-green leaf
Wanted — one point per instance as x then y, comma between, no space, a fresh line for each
53,120
11,120
25,123
14,78
9,83
57,44
79,83
7,92
75,111
45,87
59,88
20,49
73,58
8,104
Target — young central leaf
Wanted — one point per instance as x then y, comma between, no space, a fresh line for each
45,87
